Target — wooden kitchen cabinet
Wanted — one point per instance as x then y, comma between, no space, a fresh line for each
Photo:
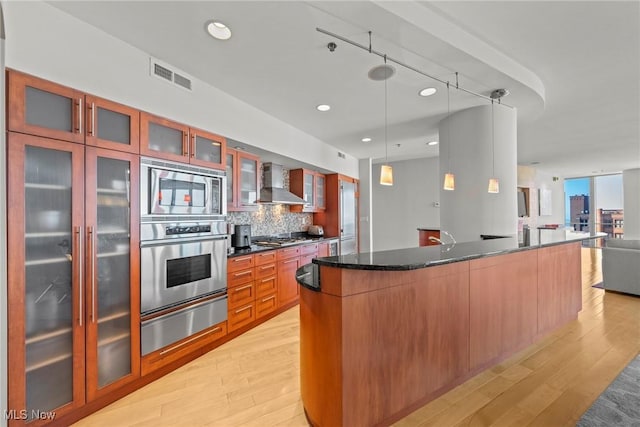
310,186
72,306
243,180
323,249
43,108
288,263
424,234
340,218
166,139
112,125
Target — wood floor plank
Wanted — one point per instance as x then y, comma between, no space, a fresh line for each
253,380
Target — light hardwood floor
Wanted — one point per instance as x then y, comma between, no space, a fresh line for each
254,379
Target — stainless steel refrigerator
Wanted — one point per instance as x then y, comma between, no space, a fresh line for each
348,218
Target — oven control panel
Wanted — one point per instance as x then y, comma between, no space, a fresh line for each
187,229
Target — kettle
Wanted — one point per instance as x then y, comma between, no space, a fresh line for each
315,230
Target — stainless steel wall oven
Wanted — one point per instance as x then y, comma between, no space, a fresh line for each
183,251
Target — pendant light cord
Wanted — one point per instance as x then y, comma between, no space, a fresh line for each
493,144
449,131
386,70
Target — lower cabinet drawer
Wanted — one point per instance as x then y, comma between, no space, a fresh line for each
238,317
241,295
266,305
266,286
189,345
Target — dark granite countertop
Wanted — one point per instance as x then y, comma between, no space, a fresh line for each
428,256
307,276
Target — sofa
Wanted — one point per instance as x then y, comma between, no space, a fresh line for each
621,266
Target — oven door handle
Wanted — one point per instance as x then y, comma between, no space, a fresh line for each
178,241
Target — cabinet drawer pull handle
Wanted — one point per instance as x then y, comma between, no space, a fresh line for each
193,145
190,340
79,115
92,119
242,259
290,261
185,149
240,310
92,257
242,273
270,267
80,281
242,288
267,280
269,298
267,254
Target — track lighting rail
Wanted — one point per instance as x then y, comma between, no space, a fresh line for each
409,67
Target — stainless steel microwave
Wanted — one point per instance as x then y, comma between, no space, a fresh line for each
170,189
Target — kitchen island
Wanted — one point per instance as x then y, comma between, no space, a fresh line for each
383,333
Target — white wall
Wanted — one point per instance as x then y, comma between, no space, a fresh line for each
631,184
51,44
365,206
535,180
400,209
466,149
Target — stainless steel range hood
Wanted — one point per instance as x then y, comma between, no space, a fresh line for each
273,191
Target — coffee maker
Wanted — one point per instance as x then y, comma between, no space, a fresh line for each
241,237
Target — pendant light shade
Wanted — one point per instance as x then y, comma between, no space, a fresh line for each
386,175
449,182
494,185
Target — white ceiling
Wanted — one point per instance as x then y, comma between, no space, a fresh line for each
573,68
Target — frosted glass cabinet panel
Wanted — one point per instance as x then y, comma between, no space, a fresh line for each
111,125
112,270
248,168
207,149
39,107
309,189
320,189
44,264
231,182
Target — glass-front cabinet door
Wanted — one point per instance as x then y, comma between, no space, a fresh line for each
39,107
111,125
308,190
113,341
45,237
248,181
207,149
163,138
320,191
230,167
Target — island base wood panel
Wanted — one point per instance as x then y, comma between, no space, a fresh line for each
376,345
345,342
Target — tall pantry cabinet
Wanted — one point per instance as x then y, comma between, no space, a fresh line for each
73,247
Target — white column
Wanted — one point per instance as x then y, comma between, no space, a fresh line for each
469,210
631,186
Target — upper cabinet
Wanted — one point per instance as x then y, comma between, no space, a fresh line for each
243,180
42,108
111,125
170,140
310,186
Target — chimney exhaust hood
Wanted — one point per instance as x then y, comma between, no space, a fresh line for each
273,191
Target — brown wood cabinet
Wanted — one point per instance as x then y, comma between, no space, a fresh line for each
166,139
43,108
288,263
73,309
424,234
336,207
243,180
310,186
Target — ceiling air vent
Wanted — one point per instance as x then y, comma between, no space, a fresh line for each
164,72
341,155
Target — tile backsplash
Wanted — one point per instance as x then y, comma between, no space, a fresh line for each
272,219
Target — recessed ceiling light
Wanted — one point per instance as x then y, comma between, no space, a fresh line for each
432,143
323,107
367,139
428,91
218,30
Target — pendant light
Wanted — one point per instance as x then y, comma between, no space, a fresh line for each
449,178
386,171
494,185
